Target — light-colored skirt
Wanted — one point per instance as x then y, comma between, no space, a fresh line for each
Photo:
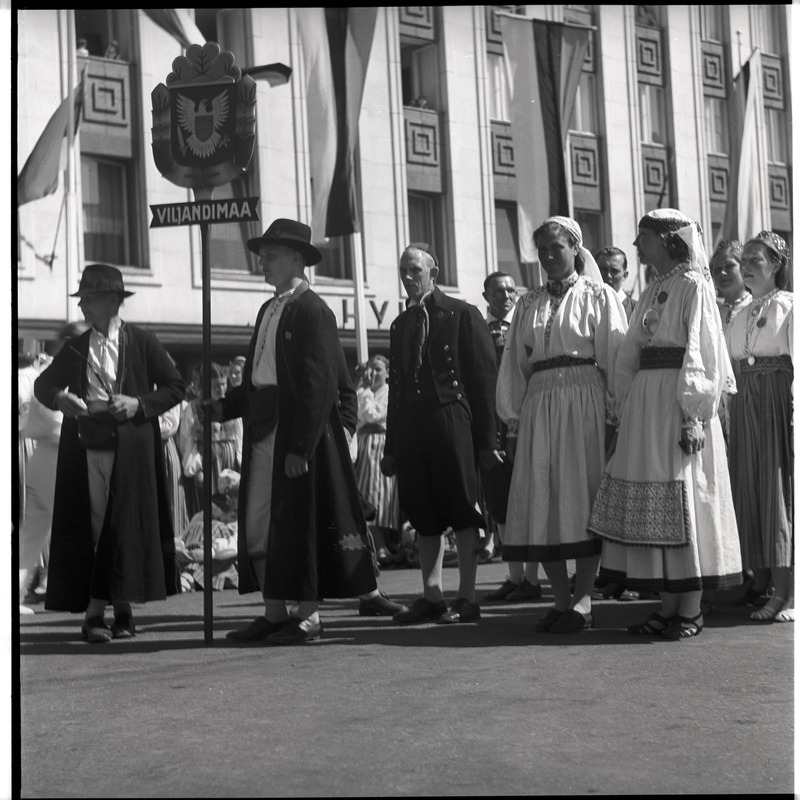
762,465
376,487
177,498
666,518
558,465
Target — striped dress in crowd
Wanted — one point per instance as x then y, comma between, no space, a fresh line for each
376,487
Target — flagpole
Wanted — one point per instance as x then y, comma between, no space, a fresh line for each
362,349
72,266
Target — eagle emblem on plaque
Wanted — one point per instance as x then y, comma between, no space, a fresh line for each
204,119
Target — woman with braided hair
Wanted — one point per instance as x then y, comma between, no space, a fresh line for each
664,506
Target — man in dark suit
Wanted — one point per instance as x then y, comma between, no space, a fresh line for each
613,264
302,532
442,375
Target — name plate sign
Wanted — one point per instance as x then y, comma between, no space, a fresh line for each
230,210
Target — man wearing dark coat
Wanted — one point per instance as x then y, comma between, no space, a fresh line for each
112,539
440,424
302,532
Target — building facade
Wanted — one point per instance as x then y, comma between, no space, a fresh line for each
435,162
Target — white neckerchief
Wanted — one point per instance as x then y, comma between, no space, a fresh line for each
264,368
103,360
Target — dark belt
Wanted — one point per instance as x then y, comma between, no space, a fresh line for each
661,357
561,361
767,364
372,427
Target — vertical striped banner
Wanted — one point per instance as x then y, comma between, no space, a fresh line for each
543,62
747,211
336,48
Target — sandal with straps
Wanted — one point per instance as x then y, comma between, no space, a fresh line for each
684,627
647,628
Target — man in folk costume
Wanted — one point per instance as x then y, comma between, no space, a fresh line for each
302,532
112,539
440,422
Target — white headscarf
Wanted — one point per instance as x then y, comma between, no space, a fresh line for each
690,233
590,268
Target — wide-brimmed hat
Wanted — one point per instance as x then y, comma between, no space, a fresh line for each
101,278
289,233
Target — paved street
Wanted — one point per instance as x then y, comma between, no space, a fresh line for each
375,710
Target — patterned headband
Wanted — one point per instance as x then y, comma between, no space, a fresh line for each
664,220
733,246
773,241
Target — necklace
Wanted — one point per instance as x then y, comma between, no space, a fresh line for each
652,316
557,290
754,319
731,307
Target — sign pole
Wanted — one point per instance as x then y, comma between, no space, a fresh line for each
204,125
208,594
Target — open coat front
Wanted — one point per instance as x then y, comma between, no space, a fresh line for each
317,545
135,559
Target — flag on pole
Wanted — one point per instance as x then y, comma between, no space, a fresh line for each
747,211
543,62
336,47
180,27
39,175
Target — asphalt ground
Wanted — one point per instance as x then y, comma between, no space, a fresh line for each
374,709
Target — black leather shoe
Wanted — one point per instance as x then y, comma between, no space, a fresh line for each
421,610
525,592
462,610
94,629
259,628
380,606
502,593
296,631
123,627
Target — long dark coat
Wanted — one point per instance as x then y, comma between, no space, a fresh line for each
317,545
135,559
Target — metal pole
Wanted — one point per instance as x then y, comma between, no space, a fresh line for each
205,391
362,349
208,601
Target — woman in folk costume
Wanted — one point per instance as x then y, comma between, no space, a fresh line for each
762,459
664,506
379,489
554,391
226,442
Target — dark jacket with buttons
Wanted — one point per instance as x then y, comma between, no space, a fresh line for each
459,365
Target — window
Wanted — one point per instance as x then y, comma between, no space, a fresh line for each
711,23
592,230
775,119
766,28
420,76
584,119
651,111
101,27
335,263
505,215
426,224
716,124
499,97
228,241
106,217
